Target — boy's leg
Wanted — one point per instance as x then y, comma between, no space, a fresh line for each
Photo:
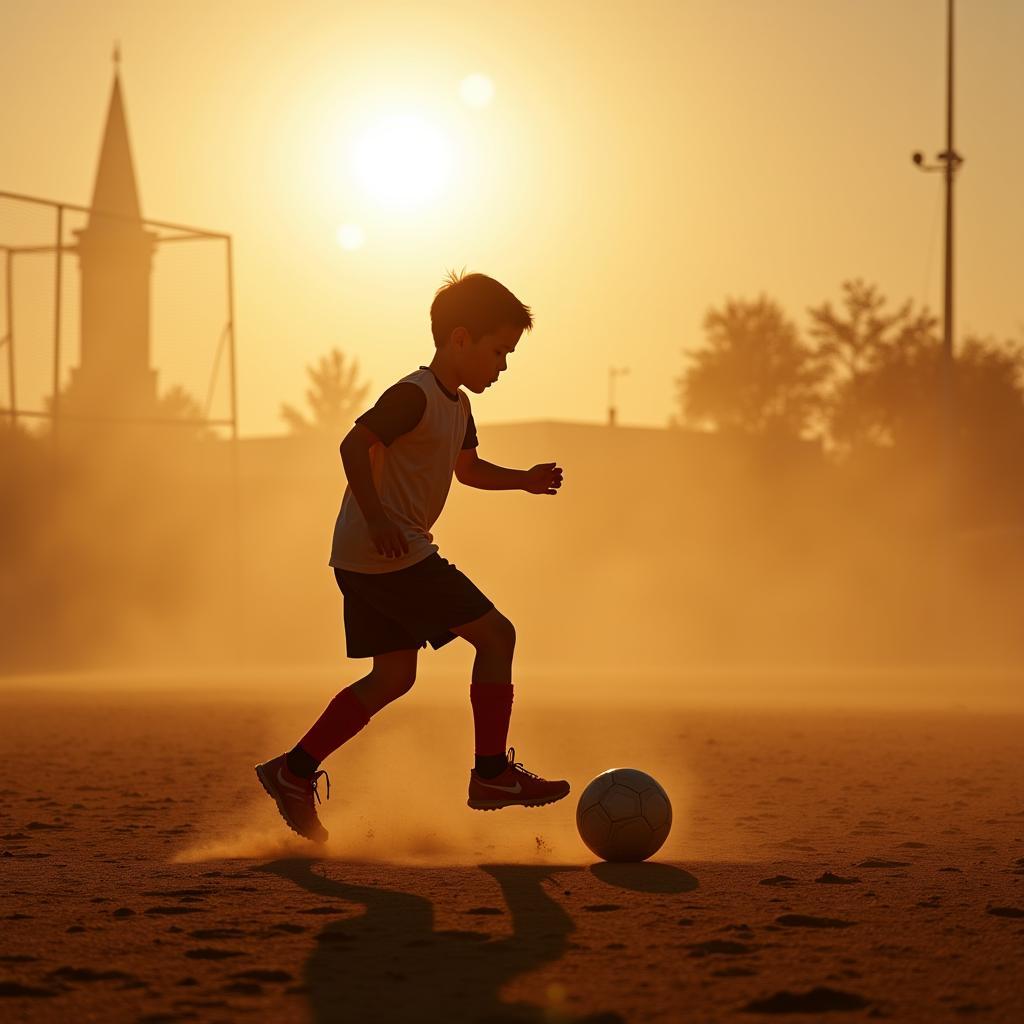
291,779
490,691
393,675
496,781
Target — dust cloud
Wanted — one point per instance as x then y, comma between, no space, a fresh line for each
666,553
398,789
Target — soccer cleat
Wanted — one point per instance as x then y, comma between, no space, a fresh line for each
515,785
294,797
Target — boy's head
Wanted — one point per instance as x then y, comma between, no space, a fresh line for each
476,321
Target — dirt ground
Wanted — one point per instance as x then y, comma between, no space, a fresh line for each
854,863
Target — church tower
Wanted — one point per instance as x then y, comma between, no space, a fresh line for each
115,256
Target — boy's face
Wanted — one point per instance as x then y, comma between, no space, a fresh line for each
481,361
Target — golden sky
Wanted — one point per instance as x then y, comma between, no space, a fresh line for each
636,164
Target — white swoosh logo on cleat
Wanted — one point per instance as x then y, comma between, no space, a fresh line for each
282,781
517,788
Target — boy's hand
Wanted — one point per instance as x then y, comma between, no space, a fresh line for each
387,538
543,479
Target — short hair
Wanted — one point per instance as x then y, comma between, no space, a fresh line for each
478,303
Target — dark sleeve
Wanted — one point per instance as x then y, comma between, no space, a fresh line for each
397,411
470,440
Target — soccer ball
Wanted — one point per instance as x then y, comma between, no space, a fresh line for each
624,815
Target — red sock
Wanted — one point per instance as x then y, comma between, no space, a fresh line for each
341,720
492,708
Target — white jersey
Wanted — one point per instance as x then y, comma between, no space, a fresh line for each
422,427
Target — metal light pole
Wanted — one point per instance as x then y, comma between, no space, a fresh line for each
612,374
949,162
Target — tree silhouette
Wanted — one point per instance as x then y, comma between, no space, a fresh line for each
754,376
898,400
989,411
878,368
177,404
885,393
174,404
333,396
850,344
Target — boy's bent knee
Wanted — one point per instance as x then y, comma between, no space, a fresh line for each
397,669
509,635
492,632
403,685
397,684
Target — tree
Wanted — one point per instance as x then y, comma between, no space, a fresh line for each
754,376
989,416
178,404
129,419
886,396
333,397
877,367
850,344
898,401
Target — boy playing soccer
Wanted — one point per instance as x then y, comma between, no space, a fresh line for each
399,593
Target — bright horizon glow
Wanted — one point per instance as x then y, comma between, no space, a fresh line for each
402,161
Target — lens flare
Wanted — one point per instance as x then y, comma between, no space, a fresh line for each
350,237
476,90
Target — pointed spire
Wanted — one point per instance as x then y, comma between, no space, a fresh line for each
115,189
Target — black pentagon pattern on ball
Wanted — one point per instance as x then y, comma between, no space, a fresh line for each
624,815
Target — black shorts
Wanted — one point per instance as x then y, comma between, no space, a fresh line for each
408,608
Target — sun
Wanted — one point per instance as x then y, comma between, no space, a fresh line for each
402,160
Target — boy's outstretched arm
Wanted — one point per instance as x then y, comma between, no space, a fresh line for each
471,470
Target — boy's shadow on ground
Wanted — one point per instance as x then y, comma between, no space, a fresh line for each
390,964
